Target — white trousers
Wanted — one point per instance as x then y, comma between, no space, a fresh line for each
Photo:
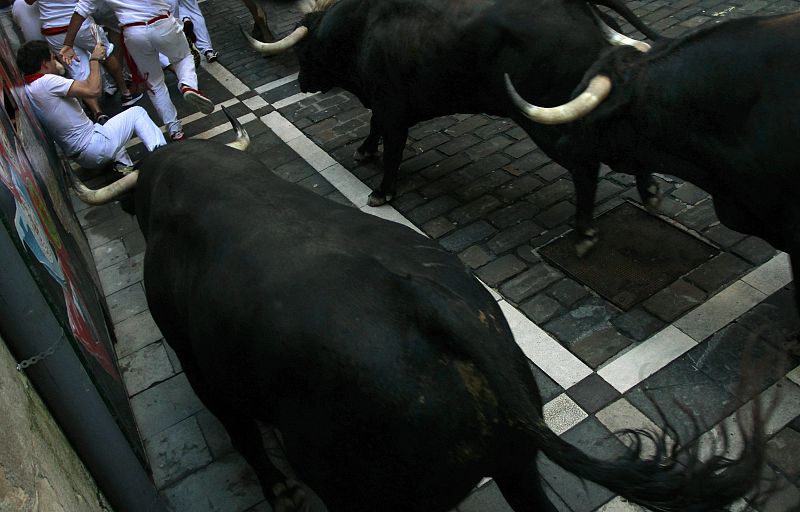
108,140
144,43
83,47
8,28
190,9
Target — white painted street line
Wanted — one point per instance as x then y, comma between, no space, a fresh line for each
277,83
719,310
350,187
620,505
621,415
311,153
291,99
562,413
645,359
772,275
388,212
545,352
794,375
226,78
255,103
285,130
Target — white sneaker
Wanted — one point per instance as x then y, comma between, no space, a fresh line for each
193,96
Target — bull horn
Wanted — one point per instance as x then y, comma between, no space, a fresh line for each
278,46
617,39
242,137
105,194
588,100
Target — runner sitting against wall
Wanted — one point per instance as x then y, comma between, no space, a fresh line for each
55,98
148,28
55,16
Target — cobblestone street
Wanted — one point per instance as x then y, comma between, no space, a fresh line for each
482,188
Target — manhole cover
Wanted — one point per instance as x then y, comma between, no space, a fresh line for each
638,254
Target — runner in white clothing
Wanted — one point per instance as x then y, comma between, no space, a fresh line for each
55,98
196,30
149,28
55,16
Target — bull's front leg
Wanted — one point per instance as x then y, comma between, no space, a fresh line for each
585,179
394,140
369,148
649,191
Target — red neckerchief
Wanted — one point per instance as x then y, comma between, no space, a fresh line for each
29,79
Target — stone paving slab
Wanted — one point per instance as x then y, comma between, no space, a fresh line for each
478,185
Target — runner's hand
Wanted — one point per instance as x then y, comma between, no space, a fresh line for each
99,52
68,55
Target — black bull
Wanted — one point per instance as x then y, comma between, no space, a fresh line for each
390,371
412,60
718,108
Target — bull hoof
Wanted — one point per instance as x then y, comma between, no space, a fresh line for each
588,241
378,198
652,200
290,497
360,156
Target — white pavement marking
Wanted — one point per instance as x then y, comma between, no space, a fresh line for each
285,130
350,187
545,352
719,310
621,415
562,413
771,276
794,375
255,103
648,357
311,153
620,505
226,78
291,99
277,83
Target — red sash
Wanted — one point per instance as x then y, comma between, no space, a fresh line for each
29,79
54,31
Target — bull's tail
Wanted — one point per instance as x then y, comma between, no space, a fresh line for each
676,479
620,8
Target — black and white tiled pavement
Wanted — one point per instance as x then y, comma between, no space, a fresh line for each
478,185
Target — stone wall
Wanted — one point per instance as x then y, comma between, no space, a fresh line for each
39,470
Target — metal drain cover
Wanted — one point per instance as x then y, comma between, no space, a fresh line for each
638,254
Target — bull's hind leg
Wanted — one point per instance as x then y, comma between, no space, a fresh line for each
394,140
369,148
649,190
283,495
585,179
523,490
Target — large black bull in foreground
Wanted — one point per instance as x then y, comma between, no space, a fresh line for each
390,371
718,108
412,60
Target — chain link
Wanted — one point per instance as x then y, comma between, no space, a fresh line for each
42,355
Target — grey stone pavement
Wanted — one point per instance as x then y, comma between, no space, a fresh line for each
478,185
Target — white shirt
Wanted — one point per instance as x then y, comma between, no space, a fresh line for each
63,115
55,13
127,11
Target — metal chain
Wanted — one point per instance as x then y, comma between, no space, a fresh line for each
42,355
